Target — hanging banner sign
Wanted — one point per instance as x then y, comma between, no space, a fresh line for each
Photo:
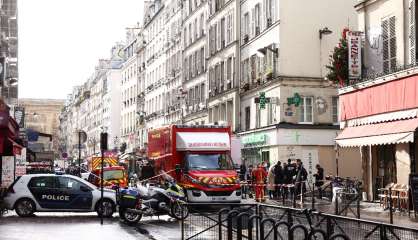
7,171
354,54
21,163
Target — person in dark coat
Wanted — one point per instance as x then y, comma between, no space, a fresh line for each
301,176
278,178
289,172
319,179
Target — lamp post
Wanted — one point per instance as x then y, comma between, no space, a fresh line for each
322,32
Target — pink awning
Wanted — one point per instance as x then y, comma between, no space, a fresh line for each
401,131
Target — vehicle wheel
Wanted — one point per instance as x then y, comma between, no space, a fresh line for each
25,207
129,217
105,208
179,211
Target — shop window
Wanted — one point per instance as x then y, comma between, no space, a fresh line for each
306,110
265,156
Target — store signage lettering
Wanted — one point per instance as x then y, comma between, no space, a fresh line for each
254,139
354,54
207,144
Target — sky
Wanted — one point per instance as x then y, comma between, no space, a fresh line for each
60,41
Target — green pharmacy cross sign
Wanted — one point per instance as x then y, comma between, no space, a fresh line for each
296,99
262,100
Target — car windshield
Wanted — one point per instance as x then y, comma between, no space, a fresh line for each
218,161
112,174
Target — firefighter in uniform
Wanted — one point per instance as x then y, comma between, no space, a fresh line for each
259,175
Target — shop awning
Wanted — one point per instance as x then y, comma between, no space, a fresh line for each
401,131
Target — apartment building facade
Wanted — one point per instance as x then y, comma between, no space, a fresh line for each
223,62
287,109
195,87
129,92
9,51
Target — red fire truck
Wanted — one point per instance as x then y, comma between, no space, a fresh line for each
203,153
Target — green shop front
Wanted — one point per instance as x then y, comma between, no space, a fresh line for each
259,146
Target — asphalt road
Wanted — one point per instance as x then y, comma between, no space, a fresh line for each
80,226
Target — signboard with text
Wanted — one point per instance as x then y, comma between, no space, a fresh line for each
354,54
7,172
21,163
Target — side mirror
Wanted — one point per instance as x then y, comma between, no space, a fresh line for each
84,188
178,169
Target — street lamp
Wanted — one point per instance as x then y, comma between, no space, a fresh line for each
323,31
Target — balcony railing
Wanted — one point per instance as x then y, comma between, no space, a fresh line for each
371,76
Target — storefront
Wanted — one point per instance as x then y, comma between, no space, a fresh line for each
312,144
9,131
380,119
388,152
259,146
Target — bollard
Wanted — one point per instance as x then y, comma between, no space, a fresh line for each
294,196
390,206
313,196
336,212
358,202
283,195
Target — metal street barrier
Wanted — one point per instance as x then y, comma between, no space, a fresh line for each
262,222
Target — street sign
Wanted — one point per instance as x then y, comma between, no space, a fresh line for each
262,100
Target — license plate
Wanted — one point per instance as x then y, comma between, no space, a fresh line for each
218,198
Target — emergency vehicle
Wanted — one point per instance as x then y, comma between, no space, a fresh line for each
57,193
203,153
113,174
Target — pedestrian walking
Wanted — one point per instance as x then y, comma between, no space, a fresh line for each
242,177
271,182
278,178
319,179
259,175
301,177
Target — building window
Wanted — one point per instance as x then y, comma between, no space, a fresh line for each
412,32
257,115
247,118
389,44
335,109
306,110
265,156
246,28
257,19
270,113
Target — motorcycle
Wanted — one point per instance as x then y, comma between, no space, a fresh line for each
152,201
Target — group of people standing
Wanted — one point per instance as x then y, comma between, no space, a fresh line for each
273,178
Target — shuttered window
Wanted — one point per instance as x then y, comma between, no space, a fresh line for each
389,44
412,33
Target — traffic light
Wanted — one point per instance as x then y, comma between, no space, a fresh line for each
262,100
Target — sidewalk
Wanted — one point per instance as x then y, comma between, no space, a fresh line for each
368,211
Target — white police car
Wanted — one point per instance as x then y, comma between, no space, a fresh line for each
57,193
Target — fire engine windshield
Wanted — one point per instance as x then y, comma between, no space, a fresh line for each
218,161
112,174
